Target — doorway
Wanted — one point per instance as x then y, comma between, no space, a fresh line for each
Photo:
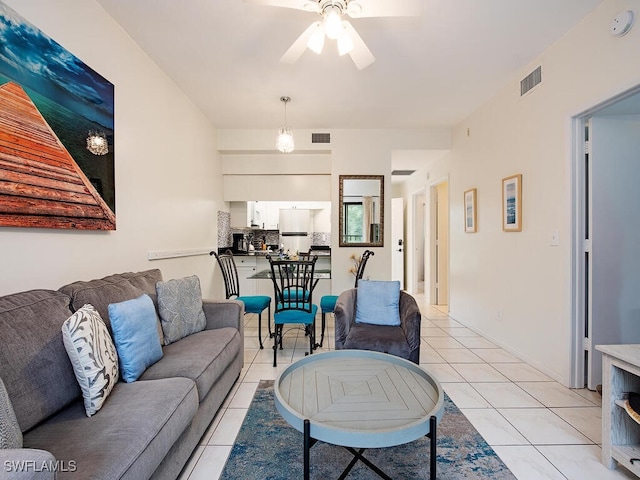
606,221
418,243
438,252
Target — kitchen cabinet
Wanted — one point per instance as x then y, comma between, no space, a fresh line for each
620,433
265,215
246,266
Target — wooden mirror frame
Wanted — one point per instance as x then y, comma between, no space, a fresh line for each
341,237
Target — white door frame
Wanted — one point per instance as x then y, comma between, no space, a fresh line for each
430,240
418,227
578,226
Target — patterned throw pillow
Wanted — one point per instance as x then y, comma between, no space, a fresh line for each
180,308
93,356
10,433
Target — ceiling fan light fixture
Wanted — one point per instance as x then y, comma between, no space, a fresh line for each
333,21
284,140
345,44
316,40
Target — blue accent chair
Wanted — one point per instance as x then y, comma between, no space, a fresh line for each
252,303
293,284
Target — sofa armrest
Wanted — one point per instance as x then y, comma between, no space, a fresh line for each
410,319
30,464
344,316
223,313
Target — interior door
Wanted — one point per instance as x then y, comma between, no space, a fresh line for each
615,232
397,240
442,244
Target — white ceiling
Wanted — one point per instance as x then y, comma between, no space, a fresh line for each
429,71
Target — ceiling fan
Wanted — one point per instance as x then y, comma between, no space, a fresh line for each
332,25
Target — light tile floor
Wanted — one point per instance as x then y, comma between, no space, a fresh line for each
539,428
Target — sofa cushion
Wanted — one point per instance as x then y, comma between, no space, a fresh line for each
93,356
10,433
379,338
135,333
33,359
112,289
201,357
180,308
127,438
377,302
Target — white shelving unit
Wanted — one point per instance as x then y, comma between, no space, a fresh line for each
620,433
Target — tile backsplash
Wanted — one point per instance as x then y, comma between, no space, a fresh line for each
270,237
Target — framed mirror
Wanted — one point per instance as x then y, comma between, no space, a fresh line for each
361,211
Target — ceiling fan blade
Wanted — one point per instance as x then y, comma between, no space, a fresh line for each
384,8
360,54
306,5
299,46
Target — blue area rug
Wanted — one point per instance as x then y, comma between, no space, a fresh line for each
268,448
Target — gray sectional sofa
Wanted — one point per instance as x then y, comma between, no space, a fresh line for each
145,429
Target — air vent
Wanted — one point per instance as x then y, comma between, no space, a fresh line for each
530,81
320,138
401,173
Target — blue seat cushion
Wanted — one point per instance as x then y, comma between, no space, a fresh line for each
296,316
255,303
328,303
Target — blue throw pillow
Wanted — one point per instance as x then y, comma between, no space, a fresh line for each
134,324
378,302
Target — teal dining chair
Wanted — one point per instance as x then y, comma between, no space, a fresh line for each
328,302
293,285
252,303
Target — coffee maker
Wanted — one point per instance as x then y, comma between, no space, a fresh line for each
239,243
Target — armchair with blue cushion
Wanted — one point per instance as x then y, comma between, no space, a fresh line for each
378,316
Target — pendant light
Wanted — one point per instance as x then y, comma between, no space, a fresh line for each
284,141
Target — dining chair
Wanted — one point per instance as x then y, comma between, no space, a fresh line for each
328,302
252,303
293,285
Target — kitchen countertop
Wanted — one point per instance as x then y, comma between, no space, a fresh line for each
264,253
266,274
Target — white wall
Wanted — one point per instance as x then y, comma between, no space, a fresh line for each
168,176
514,287
353,152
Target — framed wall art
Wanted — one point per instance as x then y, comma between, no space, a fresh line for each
470,211
56,134
512,203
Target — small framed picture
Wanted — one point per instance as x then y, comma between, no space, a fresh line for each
512,203
470,216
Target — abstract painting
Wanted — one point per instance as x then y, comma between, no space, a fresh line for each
56,134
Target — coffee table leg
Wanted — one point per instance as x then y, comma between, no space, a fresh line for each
432,437
307,447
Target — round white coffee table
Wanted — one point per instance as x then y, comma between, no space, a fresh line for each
359,399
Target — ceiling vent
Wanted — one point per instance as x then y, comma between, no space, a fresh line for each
530,81
320,138
401,173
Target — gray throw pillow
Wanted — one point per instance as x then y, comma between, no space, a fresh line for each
10,433
180,308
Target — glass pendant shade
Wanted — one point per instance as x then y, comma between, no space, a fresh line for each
333,22
284,141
